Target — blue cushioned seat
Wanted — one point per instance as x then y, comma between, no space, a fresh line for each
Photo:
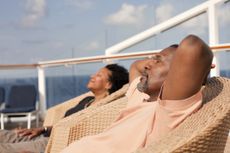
2,95
21,101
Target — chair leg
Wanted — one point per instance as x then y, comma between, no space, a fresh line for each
29,121
2,121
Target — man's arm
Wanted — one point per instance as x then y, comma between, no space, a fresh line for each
190,65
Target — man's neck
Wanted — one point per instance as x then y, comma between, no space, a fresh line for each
153,97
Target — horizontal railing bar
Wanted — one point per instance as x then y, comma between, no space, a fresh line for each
18,66
220,47
116,56
97,58
71,61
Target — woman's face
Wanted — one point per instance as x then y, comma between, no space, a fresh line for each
99,82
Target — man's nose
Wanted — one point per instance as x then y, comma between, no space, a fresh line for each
148,65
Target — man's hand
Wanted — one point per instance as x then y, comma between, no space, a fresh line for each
137,68
31,133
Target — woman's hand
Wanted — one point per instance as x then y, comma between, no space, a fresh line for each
31,133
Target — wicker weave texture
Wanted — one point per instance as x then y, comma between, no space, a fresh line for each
205,131
98,120
227,146
92,121
64,131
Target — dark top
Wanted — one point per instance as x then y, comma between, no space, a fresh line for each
81,105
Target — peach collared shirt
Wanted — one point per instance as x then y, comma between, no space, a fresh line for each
138,124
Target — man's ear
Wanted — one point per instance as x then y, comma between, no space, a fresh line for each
213,66
206,77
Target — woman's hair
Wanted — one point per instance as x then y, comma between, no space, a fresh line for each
119,77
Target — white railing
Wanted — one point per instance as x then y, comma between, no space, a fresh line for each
208,6
101,58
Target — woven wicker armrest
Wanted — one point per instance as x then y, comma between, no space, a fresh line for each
227,146
90,121
55,113
205,131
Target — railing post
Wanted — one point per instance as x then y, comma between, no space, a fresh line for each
42,91
213,35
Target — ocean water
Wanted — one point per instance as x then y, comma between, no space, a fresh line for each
225,73
60,89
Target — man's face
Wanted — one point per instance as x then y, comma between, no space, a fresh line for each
156,71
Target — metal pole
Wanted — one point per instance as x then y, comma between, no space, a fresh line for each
42,92
213,35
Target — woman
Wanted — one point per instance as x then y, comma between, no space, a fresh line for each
106,81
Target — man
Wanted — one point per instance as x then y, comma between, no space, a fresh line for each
172,79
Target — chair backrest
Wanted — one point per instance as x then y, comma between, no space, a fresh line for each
22,96
89,121
2,95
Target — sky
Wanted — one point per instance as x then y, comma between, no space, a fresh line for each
41,30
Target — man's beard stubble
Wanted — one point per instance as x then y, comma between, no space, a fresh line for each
142,86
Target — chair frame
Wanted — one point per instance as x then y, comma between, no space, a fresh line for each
27,114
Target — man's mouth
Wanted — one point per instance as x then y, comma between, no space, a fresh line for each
144,77
142,85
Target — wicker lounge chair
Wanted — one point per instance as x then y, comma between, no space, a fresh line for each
205,131
66,130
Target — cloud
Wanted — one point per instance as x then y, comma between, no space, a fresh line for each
35,9
164,12
94,45
128,14
82,4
